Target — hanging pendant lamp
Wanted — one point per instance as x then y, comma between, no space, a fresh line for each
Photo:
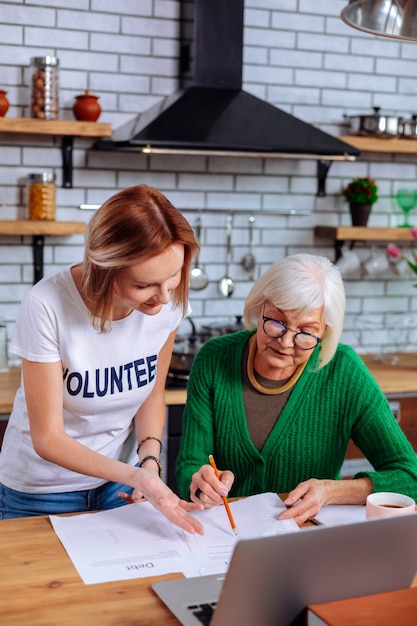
389,18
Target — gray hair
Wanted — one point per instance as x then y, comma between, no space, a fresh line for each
302,282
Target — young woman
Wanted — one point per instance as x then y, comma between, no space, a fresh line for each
95,341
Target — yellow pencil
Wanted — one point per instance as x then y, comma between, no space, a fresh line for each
226,504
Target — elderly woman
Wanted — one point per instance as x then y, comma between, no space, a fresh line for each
277,404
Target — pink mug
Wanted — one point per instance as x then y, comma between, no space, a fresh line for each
387,503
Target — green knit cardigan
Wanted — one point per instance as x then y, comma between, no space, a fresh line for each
325,409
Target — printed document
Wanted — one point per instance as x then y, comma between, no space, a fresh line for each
136,540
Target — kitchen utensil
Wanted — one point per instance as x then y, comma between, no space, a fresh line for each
349,262
376,263
374,124
226,285
409,127
249,261
198,278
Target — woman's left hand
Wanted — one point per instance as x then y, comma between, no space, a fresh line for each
305,501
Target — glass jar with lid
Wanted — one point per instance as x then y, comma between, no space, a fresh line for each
41,196
44,102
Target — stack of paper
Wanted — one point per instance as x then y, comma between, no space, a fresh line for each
136,541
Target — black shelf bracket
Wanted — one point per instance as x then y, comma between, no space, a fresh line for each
338,247
322,171
67,149
38,242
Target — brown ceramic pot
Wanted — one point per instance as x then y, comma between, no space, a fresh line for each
86,107
4,103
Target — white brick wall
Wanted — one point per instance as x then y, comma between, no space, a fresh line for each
298,55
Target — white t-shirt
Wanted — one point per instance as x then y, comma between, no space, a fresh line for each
106,378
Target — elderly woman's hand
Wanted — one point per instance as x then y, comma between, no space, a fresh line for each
207,489
305,501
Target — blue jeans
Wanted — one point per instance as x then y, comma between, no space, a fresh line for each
19,504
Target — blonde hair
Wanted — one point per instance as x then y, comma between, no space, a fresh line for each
133,225
302,282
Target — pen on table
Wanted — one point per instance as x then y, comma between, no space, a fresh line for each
226,504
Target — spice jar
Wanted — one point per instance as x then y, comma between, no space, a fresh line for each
44,102
42,196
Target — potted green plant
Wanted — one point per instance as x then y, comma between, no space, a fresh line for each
361,194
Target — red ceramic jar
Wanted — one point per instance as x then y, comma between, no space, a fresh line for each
86,107
4,103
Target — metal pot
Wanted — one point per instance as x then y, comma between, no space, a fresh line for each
183,354
409,127
374,125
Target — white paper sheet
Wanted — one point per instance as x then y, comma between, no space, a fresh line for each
136,541
337,514
120,544
255,516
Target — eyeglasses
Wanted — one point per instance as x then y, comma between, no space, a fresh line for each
276,329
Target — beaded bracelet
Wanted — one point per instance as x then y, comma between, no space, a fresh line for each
152,458
147,439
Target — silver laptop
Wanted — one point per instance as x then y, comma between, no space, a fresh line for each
271,580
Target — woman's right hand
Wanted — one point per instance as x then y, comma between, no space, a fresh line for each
149,486
209,490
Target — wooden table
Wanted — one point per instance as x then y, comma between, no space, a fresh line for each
9,382
400,379
41,587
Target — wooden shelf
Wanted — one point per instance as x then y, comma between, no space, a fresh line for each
41,227
339,234
38,230
62,128
67,129
395,145
363,233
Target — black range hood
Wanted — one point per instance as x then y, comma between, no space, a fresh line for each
211,114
